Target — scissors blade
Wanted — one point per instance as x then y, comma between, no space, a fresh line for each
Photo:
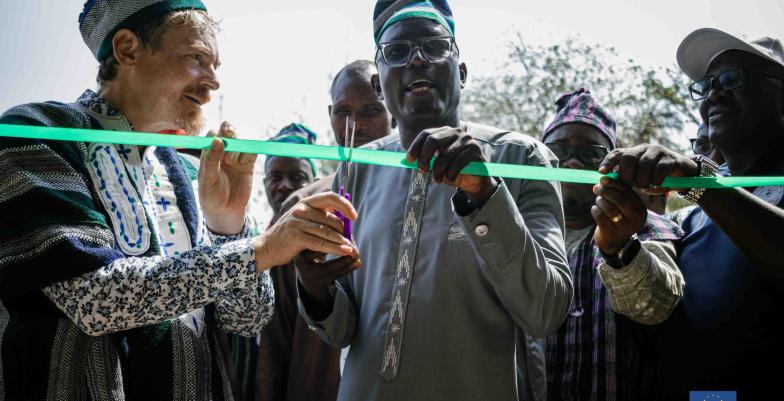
350,154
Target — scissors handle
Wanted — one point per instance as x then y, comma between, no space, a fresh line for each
346,222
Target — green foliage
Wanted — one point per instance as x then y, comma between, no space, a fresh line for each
649,104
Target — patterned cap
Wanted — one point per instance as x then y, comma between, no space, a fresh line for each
388,12
101,19
580,108
297,133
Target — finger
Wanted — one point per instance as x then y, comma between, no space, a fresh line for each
316,244
310,257
338,267
625,200
306,214
356,264
331,201
446,157
611,161
646,165
470,153
326,232
434,145
232,158
292,200
416,147
413,151
610,210
210,134
211,159
227,130
627,168
247,158
602,220
669,165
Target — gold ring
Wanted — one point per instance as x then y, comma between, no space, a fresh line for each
617,218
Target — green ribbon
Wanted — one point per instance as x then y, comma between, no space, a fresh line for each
365,156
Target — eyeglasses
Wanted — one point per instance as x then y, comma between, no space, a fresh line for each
590,155
728,79
398,53
701,145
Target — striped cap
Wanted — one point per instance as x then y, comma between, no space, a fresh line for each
388,12
101,19
297,133
579,107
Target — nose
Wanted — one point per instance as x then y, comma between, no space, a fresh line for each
572,163
715,93
285,185
417,58
359,120
210,79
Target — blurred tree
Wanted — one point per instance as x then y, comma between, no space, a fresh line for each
649,104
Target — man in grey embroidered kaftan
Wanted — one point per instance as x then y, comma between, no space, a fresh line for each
448,279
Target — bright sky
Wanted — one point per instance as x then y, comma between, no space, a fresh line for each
278,57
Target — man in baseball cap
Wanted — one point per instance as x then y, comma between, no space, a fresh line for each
726,332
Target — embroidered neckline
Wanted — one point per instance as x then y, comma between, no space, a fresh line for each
97,104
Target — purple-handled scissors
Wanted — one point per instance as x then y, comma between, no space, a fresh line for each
346,178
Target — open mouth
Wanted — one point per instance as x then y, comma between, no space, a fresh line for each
419,86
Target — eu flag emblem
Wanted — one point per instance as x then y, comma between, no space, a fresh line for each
713,396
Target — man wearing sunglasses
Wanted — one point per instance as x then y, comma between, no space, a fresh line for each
622,261
455,267
702,145
726,332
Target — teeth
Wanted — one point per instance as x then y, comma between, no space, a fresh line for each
419,84
420,89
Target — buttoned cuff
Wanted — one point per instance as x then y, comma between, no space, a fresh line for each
492,227
220,239
631,273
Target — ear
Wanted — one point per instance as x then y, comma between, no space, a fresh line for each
463,75
126,47
375,83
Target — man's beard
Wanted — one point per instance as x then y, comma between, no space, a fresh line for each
192,123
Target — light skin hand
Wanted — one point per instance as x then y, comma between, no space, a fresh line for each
225,183
311,225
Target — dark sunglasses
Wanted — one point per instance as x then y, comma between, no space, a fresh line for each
701,146
590,155
728,79
398,53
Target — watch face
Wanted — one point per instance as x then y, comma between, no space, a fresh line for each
772,195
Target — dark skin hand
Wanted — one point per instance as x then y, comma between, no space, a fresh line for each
316,275
756,234
453,149
616,199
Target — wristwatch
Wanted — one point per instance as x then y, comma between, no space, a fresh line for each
625,256
708,168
